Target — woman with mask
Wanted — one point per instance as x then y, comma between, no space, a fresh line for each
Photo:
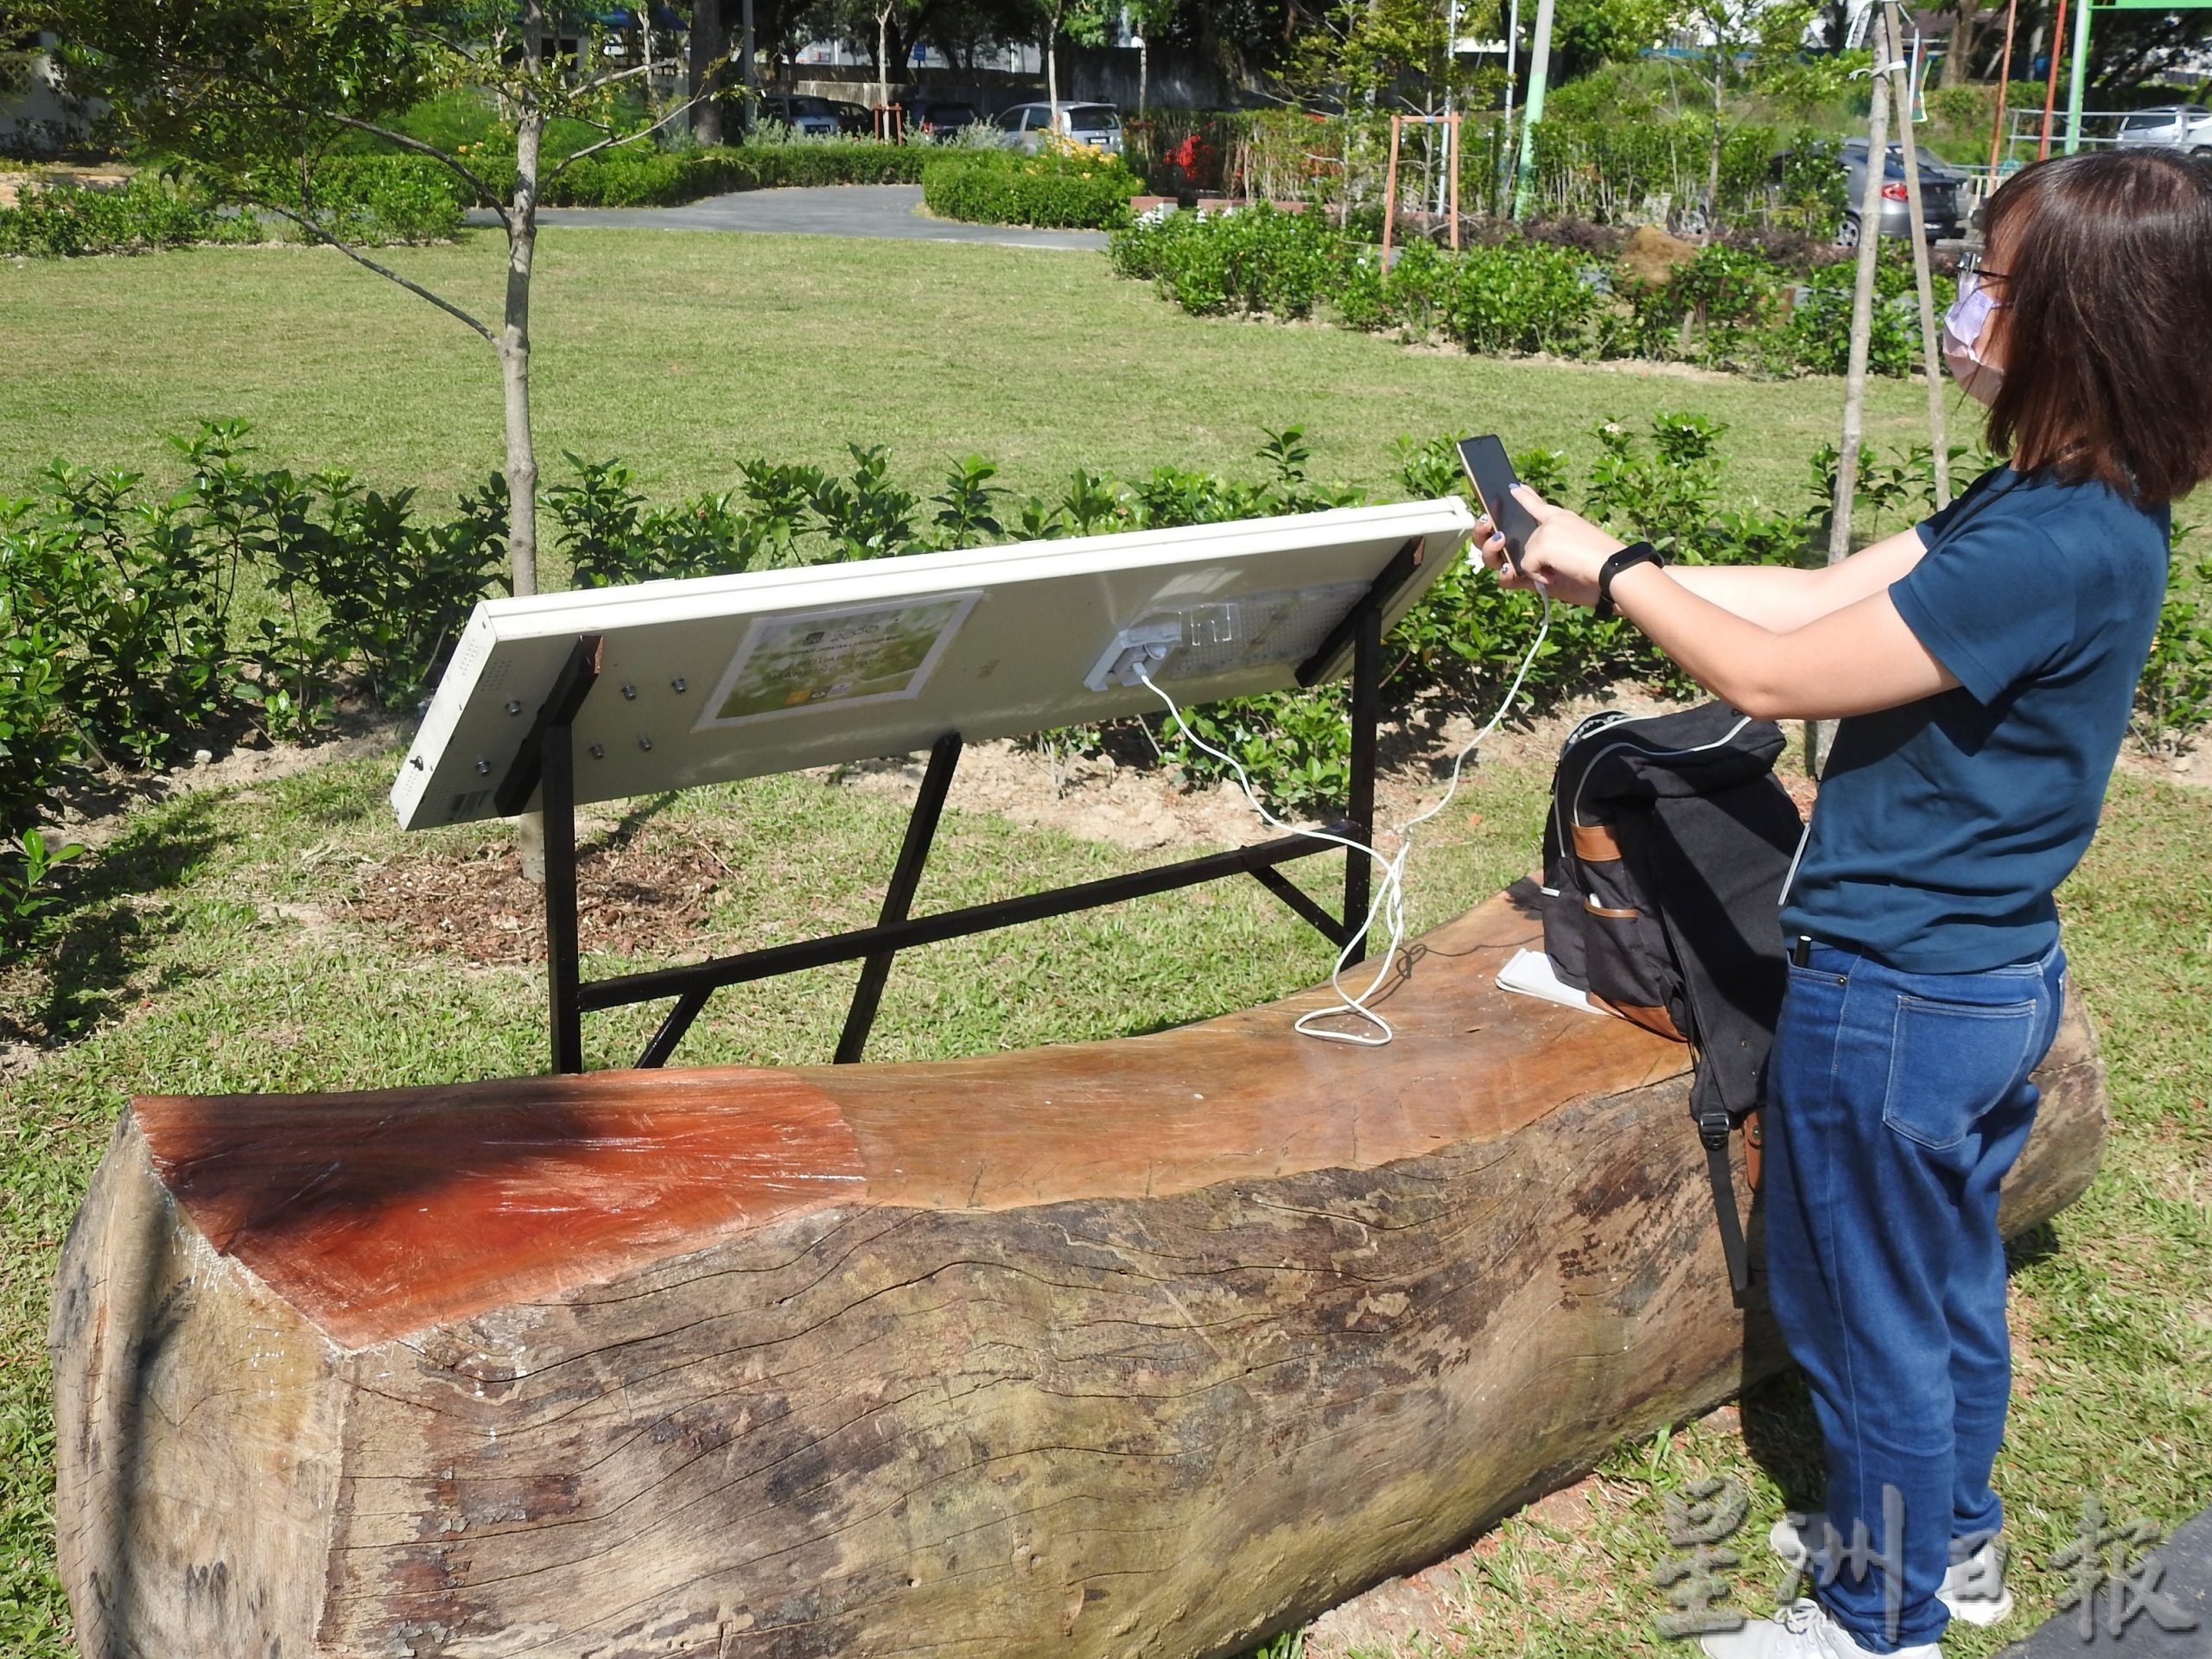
1983,667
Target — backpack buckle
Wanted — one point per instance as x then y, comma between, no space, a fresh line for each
1714,1127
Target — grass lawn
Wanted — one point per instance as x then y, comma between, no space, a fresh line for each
686,352
210,949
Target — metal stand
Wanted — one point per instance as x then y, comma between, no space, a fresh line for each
545,768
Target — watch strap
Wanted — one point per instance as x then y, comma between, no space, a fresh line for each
1635,553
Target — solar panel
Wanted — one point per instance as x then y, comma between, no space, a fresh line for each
721,677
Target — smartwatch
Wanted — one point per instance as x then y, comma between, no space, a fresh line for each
1634,553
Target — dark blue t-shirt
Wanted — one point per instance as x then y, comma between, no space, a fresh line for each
1943,825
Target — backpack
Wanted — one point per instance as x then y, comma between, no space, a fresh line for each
1665,852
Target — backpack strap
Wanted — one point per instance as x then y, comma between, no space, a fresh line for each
1712,1127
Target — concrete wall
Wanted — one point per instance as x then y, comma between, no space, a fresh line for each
35,119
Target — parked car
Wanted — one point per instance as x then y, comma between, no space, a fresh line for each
940,123
2178,126
854,120
1097,124
811,116
1942,193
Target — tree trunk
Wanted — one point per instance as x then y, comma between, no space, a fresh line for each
1820,733
1966,32
1052,80
1713,148
514,359
1923,281
1138,1347
514,380
882,69
709,45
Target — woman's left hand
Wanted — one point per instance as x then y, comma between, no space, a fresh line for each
1564,555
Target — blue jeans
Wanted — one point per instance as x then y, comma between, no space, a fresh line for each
1896,1103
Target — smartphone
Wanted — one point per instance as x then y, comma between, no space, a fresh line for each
1491,473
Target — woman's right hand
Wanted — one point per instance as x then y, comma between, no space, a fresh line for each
1565,552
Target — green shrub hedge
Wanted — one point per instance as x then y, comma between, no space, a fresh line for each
379,199
640,175
1729,306
118,638
59,220
644,177
363,199
985,186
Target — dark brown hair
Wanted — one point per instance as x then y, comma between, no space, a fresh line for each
2106,285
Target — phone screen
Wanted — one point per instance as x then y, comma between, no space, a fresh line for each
1490,471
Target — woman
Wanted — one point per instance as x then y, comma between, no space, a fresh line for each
1982,667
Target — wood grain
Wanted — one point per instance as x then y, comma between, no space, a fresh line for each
1141,1348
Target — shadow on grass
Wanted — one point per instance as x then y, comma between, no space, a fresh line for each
99,938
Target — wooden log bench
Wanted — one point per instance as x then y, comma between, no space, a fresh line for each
1144,1347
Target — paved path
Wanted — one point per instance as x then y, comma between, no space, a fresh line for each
880,210
2184,1583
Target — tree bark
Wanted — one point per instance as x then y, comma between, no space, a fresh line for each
1713,147
1138,1347
1053,79
1923,281
1966,34
514,328
514,382
1820,733
883,68
709,47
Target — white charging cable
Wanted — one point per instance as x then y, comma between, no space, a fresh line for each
1389,896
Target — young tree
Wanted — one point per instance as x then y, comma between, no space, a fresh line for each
256,95
1744,41
1379,57
1587,34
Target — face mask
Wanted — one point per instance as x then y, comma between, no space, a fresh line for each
1962,326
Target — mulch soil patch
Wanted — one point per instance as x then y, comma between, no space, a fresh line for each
648,894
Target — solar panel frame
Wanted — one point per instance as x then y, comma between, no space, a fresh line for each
1032,621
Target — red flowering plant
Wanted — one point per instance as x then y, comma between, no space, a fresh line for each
1186,163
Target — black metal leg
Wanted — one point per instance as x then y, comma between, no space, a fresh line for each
546,765
898,898
671,1031
558,801
1295,896
1366,713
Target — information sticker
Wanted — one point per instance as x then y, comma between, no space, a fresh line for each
793,663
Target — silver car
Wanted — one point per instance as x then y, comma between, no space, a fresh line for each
2178,126
1940,199
1096,125
809,116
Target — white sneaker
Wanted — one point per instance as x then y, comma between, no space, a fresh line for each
1801,1631
1973,1589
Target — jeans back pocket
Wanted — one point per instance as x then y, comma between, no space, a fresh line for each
1951,1062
